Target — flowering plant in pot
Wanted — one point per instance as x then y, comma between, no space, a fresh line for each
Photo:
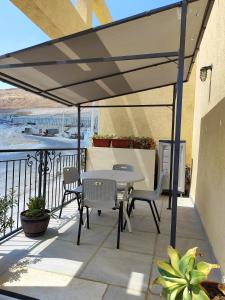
35,219
183,278
101,140
121,142
144,143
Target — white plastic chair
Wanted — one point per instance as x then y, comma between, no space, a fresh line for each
71,176
100,194
150,197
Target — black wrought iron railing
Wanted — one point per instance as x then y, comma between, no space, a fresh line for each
31,173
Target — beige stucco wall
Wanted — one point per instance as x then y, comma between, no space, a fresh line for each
208,177
154,122
143,161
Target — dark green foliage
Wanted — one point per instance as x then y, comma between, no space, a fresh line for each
6,203
36,207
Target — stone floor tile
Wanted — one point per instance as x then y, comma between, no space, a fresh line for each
121,268
60,256
107,217
118,293
93,236
48,286
183,244
143,223
141,242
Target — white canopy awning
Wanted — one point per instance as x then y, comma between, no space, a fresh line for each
55,71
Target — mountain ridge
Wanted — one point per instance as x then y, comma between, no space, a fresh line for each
15,98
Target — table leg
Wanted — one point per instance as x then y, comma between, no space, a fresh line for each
126,216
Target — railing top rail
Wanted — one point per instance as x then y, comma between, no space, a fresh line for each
38,149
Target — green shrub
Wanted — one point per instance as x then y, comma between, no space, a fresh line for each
6,203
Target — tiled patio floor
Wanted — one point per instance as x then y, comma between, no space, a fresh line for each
54,267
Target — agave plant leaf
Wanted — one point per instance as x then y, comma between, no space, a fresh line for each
174,256
165,266
206,268
177,280
165,284
192,251
197,277
198,293
173,293
186,263
186,294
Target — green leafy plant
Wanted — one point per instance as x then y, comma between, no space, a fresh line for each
6,203
36,207
145,142
102,137
181,278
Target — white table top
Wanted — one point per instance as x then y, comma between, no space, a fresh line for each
118,176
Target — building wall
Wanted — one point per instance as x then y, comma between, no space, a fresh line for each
208,151
154,122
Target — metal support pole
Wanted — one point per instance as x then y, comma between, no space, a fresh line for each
40,167
178,122
45,170
78,140
172,146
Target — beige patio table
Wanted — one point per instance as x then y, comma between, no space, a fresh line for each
125,177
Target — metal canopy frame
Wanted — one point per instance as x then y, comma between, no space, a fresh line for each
176,116
176,105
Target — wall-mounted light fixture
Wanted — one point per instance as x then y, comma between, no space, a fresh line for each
204,71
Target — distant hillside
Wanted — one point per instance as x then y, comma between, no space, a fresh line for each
18,99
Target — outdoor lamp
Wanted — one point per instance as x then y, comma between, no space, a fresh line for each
203,72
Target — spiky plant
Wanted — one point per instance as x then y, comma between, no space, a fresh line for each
181,278
36,207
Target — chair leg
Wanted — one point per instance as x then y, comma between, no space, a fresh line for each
80,223
154,217
121,222
63,199
156,210
119,228
78,201
87,211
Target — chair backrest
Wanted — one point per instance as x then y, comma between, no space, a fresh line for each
160,184
70,175
123,167
100,193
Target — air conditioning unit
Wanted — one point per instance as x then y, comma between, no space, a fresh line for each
164,164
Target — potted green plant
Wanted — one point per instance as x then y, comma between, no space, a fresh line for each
101,140
121,142
144,143
6,204
35,219
184,278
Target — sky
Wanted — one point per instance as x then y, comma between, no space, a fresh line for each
18,32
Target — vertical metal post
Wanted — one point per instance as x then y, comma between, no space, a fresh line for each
45,170
178,122
78,140
40,174
172,146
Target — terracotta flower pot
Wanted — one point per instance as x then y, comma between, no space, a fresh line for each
214,290
136,145
101,142
120,143
34,226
